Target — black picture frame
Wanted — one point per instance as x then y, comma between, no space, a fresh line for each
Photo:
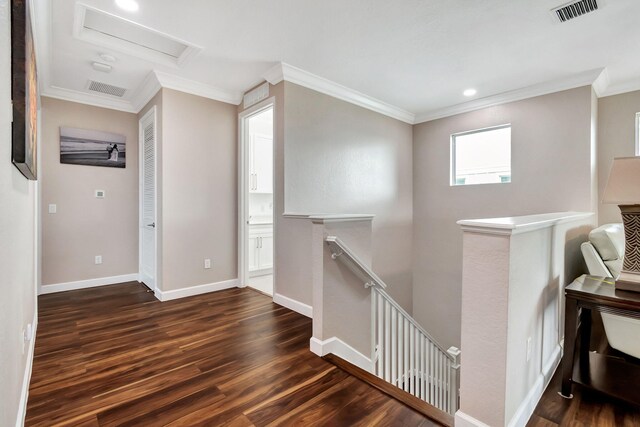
24,91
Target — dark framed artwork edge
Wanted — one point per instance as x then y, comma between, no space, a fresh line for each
24,91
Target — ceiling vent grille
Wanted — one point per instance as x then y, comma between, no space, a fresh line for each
106,88
575,9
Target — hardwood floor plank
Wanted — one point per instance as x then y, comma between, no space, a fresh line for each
588,407
114,355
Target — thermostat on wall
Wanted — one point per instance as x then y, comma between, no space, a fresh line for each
100,194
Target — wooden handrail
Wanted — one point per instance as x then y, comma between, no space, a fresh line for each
341,252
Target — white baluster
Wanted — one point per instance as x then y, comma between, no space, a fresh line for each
380,337
437,378
387,331
374,313
431,363
412,382
422,342
405,386
400,351
394,338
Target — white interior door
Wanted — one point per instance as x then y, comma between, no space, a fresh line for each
148,200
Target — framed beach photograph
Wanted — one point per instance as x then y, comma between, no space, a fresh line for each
24,91
92,148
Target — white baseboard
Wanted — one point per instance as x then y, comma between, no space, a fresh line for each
528,405
91,283
341,349
291,304
24,394
195,290
464,420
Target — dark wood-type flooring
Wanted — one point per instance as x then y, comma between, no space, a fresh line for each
588,407
116,356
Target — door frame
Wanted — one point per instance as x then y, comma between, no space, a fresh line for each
243,185
151,113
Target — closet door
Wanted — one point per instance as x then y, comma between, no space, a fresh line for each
148,248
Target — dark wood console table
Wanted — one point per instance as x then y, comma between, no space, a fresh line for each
609,374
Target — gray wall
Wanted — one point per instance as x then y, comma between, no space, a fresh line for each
551,152
17,250
84,226
341,158
616,138
199,190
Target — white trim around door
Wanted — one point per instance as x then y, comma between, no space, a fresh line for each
243,187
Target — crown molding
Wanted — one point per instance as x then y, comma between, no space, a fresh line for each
601,83
88,99
586,78
275,74
289,73
624,87
145,91
193,87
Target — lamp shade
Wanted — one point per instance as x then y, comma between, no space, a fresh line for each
623,187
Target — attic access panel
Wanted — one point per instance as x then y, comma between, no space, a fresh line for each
107,30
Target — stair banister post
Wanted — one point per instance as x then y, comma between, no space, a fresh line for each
454,385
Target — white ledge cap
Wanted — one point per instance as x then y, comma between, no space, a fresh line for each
320,218
521,224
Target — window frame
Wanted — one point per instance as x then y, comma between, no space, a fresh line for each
452,149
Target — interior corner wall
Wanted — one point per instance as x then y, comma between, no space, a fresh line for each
85,226
344,159
551,146
199,190
292,257
18,250
616,138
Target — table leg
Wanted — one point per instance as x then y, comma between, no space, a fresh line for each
570,332
585,338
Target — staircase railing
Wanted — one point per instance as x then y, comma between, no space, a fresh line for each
403,353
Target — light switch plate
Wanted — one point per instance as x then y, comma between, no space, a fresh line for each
100,194
53,208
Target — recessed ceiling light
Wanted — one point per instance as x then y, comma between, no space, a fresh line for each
128,5
469,92
107,58
99,66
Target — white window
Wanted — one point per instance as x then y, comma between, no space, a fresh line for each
481,156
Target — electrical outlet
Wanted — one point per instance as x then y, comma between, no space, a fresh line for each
529,349
27,335
207,263
100,194
98,259
53,208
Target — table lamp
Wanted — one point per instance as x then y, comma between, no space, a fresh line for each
623,189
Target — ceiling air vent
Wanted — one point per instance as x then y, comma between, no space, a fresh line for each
106,88
575,9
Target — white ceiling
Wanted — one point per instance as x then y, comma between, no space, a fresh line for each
417,55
